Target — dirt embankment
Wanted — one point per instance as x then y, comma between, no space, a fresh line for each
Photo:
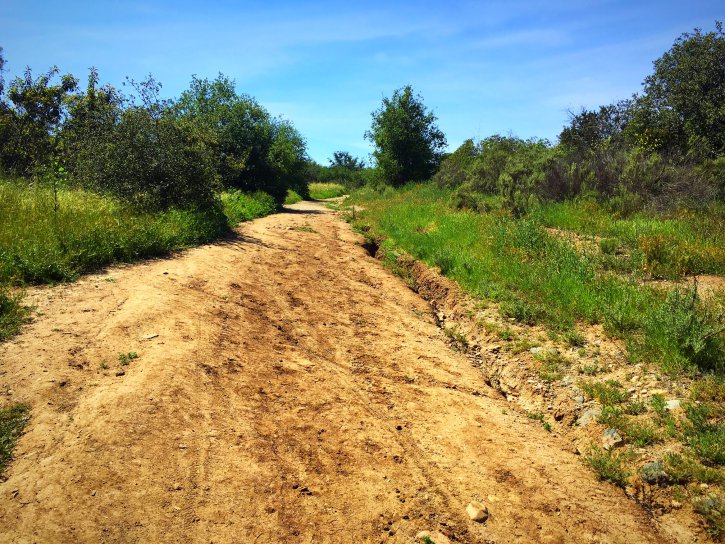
286,389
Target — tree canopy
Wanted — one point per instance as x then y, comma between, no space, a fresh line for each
408,143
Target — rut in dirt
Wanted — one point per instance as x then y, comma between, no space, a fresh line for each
287,389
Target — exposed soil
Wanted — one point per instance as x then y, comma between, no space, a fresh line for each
287,389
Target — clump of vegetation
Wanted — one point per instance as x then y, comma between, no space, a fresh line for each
610,465
12,422
12,313
460,341
538,416
609,393
712,507
321,191
239,206
125,359
552,365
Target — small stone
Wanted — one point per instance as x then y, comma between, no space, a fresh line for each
477,511
120,373
177,487
653,473
676,504
588,416
579,399
644,391
93,493
150,336
611,439
673,404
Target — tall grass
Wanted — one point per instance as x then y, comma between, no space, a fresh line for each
538,277
682,242
320,191
239,206
38,245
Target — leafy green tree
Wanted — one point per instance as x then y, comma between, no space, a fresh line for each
343,159
254,150
30,121
683,107
408,143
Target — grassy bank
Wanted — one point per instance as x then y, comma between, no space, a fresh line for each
537,276
38,245
320,191
44,240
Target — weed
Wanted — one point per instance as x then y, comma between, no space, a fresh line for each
551,365
712,508
609,465
292,197
635,408
506,334
125,358
683,468
104,366
12,314
704,432
12,422
573,338
609,393
538,416
321,191
590,369
459,339
639,432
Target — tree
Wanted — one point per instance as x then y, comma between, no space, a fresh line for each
254,150
684,99
30,122
343,159
408,143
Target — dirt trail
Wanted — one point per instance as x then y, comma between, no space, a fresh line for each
296,392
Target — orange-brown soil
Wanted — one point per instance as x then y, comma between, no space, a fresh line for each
287,389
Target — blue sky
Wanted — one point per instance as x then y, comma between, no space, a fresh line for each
483,67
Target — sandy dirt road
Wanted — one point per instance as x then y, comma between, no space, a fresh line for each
296,392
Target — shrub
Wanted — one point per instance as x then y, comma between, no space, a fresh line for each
609,465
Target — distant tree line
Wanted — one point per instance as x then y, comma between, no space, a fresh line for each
151,152
663,147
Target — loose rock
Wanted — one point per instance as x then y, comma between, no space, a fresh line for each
611,439
477,511
588,416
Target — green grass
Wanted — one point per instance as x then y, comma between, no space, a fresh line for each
540,278
320,191
12,313
91,231
239,206
12,422
683,242
610,465
292,197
